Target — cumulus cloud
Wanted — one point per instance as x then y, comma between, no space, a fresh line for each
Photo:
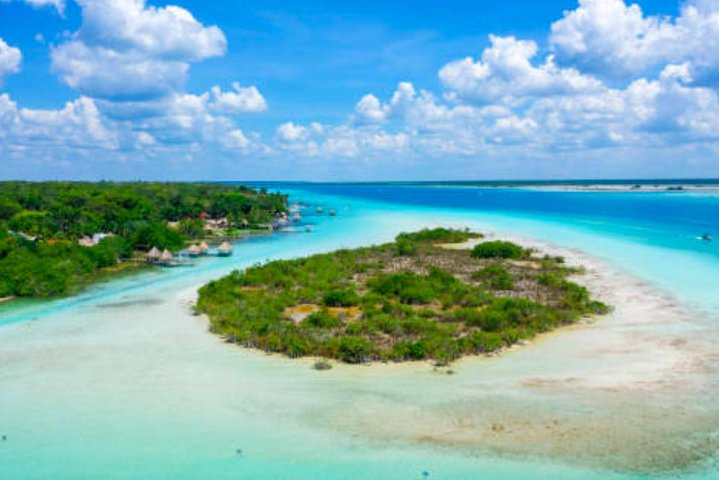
125,50
58,5
670,106
614,39
291,132
236,139
614,78
338,141
370,110
79,125
241,100
505,73
10,59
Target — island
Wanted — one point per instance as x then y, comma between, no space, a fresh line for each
56,237
436,295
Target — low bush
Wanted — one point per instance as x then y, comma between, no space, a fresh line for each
499,249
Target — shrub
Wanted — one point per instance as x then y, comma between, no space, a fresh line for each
405,247
496,277
416,295
355,349
410,288
341,298
498,249
485,342
444,235
321,319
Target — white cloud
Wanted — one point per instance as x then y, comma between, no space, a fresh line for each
614,39
505,74
242,99
291,132
10,59
125,50
59,5
236,139
78,124
669,106
370,110
621,82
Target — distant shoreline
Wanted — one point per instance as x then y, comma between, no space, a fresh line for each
508,183
621,188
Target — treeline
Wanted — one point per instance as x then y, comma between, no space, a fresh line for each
40,224
70,209
409,300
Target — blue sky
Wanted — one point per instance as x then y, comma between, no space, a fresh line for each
319,90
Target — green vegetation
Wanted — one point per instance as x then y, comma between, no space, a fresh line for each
381,303
41,223
499,249
496,277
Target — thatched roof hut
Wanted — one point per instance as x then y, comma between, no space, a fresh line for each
194,250
204,247
153,255
166,256
225,249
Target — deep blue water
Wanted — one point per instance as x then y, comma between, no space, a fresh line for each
674,218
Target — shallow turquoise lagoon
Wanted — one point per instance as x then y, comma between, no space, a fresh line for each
123,382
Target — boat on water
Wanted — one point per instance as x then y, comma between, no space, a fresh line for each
707,237
333,213
319,209
224,250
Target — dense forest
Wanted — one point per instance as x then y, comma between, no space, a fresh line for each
41,225
419,297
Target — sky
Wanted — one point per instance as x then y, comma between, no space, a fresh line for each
358,90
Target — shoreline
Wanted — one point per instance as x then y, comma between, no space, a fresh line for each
620,188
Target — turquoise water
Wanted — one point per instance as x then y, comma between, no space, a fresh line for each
123,382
